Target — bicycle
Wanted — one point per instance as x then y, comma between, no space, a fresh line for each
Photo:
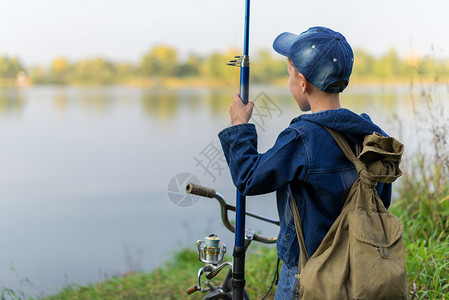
211,250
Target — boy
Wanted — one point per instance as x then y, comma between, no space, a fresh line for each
305,157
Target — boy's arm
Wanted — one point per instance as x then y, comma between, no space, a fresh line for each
254,173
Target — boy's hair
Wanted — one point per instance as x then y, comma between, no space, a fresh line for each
322,55
290,62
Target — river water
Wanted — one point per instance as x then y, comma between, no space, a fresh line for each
91,178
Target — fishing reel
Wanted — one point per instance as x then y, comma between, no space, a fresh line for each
211,250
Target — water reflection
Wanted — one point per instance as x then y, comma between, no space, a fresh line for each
88,99
165,104
61,100
160,103
96,99
360,101
11,101
218,101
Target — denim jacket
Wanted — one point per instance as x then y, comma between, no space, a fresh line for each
306,157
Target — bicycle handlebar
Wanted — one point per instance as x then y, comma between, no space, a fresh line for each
199,190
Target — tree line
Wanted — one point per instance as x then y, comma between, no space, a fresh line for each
163,62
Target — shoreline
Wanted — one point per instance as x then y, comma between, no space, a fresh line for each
198,82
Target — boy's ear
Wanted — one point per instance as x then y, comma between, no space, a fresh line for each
305,85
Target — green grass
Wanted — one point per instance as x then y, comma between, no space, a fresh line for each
171,280
427,270
167,282
423,207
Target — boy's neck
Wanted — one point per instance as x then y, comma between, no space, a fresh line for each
324,101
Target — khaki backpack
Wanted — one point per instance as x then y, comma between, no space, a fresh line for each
363,255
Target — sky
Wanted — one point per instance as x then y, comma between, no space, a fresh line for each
37,31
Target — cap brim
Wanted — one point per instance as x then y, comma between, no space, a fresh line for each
283,43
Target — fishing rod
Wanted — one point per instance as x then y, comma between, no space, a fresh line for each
238,273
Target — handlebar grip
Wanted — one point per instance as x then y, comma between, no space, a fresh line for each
199,190
192,290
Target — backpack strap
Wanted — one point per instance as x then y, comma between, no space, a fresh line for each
303,256
347,151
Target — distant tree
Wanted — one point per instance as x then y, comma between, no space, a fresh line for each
266,69
388,67
363,64
5,67
10,67
126,71
431,68
160,61
94,71
191,67
59,70
215,66
38,75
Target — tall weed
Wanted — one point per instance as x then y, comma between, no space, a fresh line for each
423,200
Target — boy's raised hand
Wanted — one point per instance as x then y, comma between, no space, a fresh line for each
240,113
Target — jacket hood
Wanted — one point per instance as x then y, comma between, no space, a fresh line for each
354,126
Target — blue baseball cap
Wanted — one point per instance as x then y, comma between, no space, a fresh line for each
322,55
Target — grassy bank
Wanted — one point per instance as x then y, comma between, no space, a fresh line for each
427,267
172,280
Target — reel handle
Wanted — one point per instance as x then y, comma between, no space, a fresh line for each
199,190
192,290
